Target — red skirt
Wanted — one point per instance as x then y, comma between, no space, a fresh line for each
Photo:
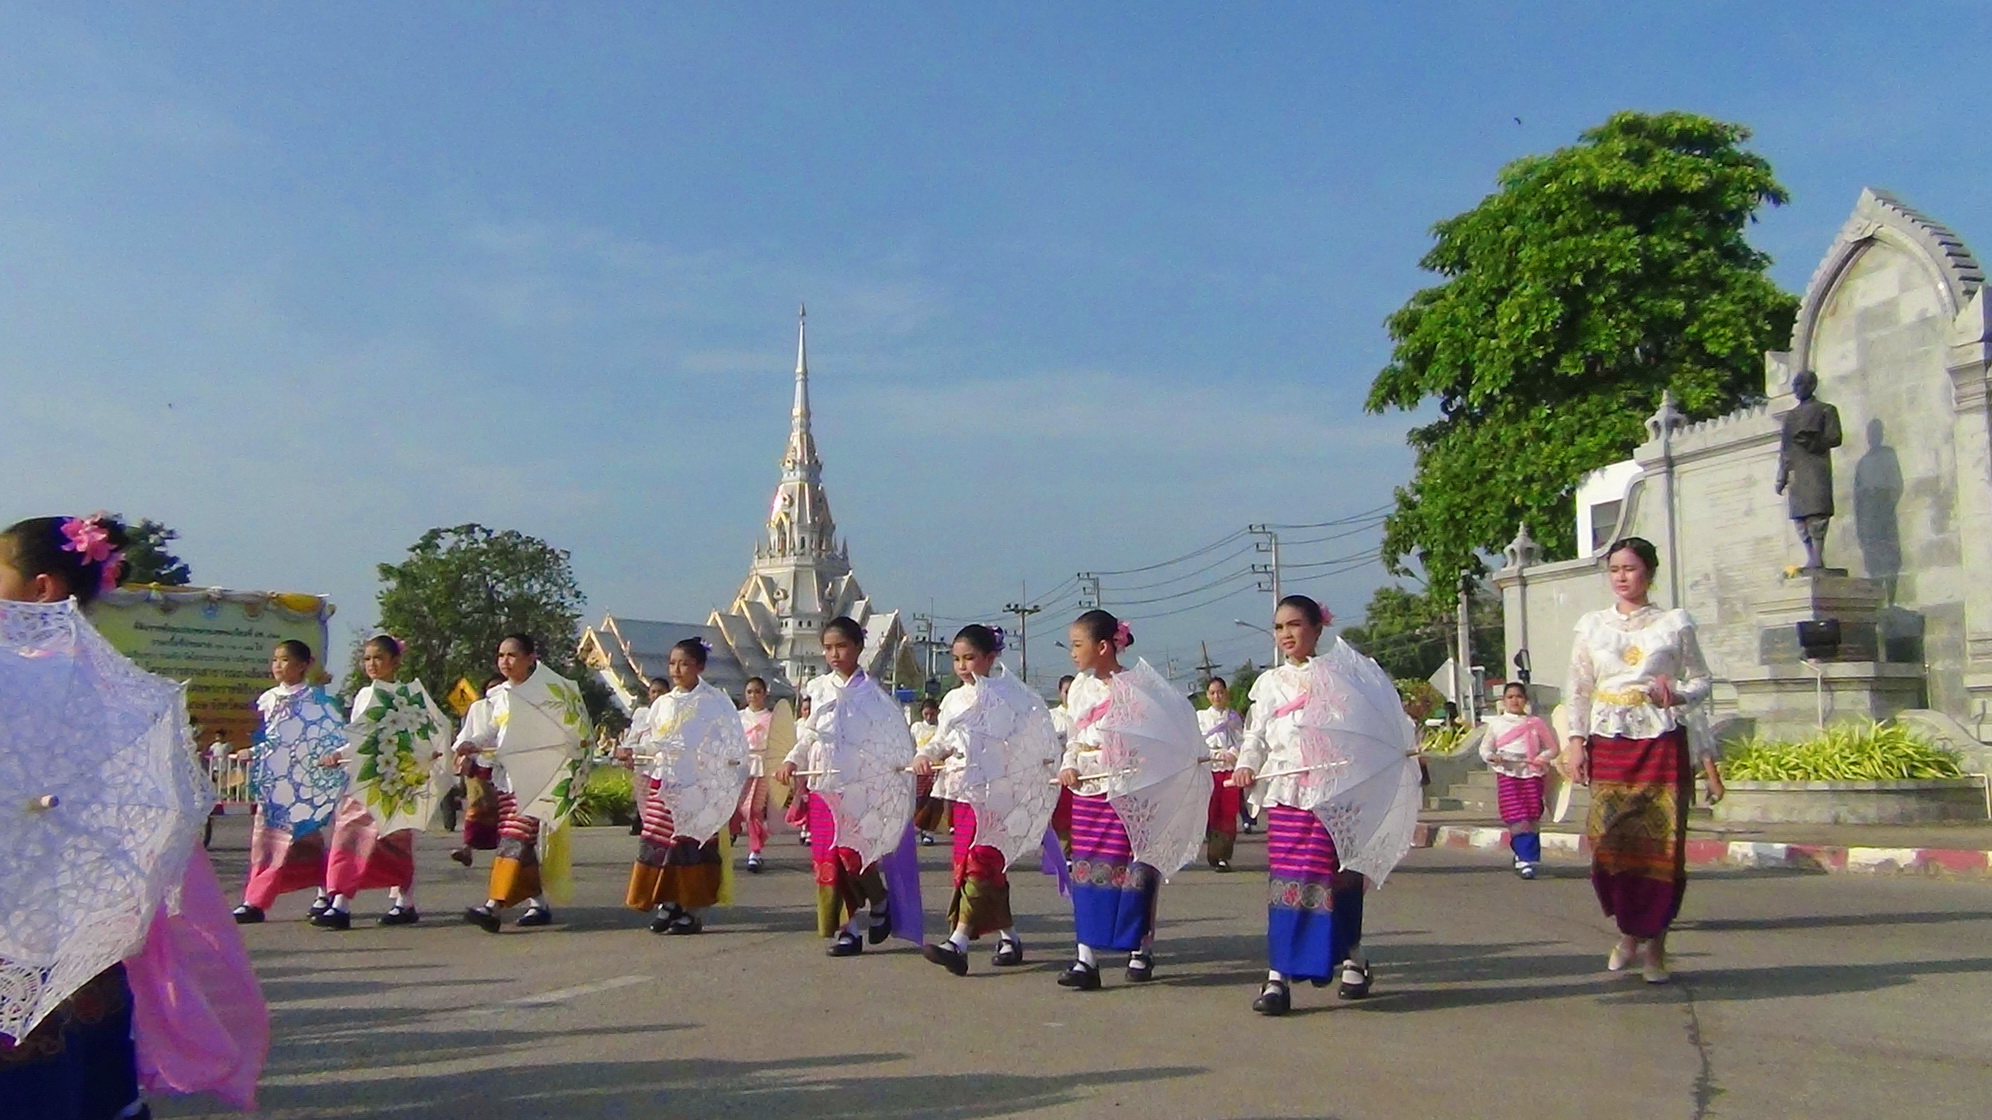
362,859
1640,793
1520,799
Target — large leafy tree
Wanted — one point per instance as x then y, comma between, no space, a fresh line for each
1596,277
462,589
147,559
1410,634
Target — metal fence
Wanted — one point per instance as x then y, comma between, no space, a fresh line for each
230,777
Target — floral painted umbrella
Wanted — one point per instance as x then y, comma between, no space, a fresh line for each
292,790
398,733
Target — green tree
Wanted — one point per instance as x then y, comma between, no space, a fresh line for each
462,589
1596,277
1410,635
147,559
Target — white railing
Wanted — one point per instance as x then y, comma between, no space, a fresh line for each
230,777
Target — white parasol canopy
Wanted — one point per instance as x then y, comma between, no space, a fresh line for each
860,752
542,731
700,763
1009,749
1152,749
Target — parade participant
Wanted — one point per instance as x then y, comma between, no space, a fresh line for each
992,749
632,741
1636,678
536,744
1327,755
294,794
1519,747
181,1012
480,797
1061,719
393,743
796,811
1222,730
691,778
929,811
853,747
755,721
1134,752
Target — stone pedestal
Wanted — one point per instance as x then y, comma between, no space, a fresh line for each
1816,595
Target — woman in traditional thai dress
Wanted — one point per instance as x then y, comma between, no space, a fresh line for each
1061,720
183,1014
1327,755
990,756
756,719
929,811
536,744
1519,748
796,809
853,748
1134,749
480,797
295,796
1636,677
394,741
678,875
1222,730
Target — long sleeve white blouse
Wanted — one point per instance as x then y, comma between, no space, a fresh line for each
1082,744
1614,664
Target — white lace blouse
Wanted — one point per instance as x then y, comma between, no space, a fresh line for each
1271,744
1082,744
1613,666
1223,731
945,751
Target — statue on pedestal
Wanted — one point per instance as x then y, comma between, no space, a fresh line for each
1805,465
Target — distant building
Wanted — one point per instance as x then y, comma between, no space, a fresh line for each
800,579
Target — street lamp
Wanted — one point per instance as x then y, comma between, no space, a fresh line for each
1262,630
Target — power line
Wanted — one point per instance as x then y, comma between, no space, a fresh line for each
1186,593
1354,517
1186,575
1365,527
1194,606
1211,547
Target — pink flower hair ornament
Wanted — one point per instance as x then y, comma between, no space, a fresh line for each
1123,637
90,539
1002,638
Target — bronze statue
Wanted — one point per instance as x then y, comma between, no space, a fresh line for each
1805,465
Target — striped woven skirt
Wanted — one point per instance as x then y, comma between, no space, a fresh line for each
981,884
361,859
480,808
667,869
1113,897
1520,799
1640,793
515,869
1314,909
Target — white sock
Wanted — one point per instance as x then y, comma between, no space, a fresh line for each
856,926
399,896
536,903
959,939
1010,935
1086,956
341,903
493,905
1275,976
321,892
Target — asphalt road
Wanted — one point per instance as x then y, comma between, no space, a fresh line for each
1795,995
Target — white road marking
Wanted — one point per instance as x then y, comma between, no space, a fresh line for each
562,995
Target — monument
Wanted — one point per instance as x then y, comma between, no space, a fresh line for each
799,579
1895,329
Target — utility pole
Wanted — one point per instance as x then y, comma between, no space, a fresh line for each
1208,666
1469,703
1269,572
1023,613
1089,590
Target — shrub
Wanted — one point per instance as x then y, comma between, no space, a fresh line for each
1850,752
1444,740
608,798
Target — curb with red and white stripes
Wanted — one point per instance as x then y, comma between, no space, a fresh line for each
1740,853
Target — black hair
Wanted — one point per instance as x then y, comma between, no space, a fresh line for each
1219,682
1103,627
754,680
1638,546
39,547
386,643
982,638
660,682
526,643
298,650
848,627
1066,679
930,702
493,681
1514,686
694,648
1308,608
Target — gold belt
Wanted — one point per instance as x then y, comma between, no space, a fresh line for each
1622,697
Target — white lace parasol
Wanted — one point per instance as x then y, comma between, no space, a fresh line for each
864,744
1009,749
292,790
101,803
1152,749
1356,755
701,751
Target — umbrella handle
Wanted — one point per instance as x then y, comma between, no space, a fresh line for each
43,803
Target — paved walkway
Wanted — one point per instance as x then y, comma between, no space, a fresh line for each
1801,995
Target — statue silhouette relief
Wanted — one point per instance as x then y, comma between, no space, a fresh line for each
1805,466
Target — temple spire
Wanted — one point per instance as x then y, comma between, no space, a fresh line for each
801,457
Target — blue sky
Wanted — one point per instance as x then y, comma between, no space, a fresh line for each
1090,285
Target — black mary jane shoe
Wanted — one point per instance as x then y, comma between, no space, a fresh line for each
1274,999
482,918
400,916
1359,989
1009,953
319,905
1222,867
665,916
846,945
1081,977
329,918
947,956
684,924
536,916
754,864
881,927
1141,967
247,915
